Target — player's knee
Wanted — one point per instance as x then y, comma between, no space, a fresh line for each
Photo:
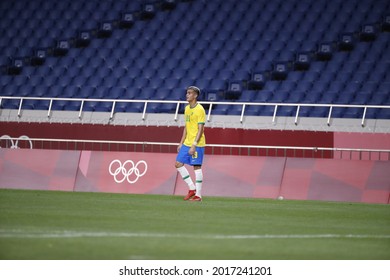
197,167
178,164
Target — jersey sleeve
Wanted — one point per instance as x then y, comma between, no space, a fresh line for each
201,116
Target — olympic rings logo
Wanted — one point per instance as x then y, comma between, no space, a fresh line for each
127,171
15,145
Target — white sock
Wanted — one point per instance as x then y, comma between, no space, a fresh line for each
198,182
186,177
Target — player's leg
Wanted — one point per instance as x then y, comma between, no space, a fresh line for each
182,158
196,161
198,182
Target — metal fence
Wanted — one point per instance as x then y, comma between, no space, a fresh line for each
209,104
25,142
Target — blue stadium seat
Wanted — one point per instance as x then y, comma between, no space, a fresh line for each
59,105
368,32
339,112
379,99
295,96
347,42
161,93
263,96
324,51
148,11
221,109
286,111
266,110
272,85
383,113
303,86
234,90
252,110
279,96
361,98
257,81
213,95
344,99
302,61
280,70
317,112
246,96
127,20
170,83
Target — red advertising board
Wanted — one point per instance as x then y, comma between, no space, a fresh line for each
38,169
229,176
238,176
126,172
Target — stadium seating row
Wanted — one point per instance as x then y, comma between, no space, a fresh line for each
252,51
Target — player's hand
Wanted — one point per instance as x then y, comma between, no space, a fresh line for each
179,147
192,150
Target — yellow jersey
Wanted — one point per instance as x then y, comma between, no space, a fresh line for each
194,117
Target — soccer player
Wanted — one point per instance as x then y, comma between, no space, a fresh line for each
192,144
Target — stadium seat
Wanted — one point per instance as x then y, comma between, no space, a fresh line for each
286,111
339,112
234,90
266,110
347,42
263,96
38,57
169,4
324,51
246,96
272,85
317,112
83,39
148,11
280,70
252,110
62,48
257,81
221,109
386,23
72,105
105,29
242,74
287,86
295,97
59,105
214,95
279,97
15,66
28,104
383,113
302,61
368,32
10,104
135,107
218,84
361,98
127,20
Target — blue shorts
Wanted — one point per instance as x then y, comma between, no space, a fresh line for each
184,157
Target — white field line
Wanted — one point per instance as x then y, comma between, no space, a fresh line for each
78,234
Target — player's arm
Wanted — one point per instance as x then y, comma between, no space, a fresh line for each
182,138
198,135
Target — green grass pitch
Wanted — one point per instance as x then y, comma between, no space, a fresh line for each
69,225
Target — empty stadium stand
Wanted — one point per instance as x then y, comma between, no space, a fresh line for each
298,51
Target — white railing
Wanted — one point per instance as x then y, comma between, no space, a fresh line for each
243,105
143,146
